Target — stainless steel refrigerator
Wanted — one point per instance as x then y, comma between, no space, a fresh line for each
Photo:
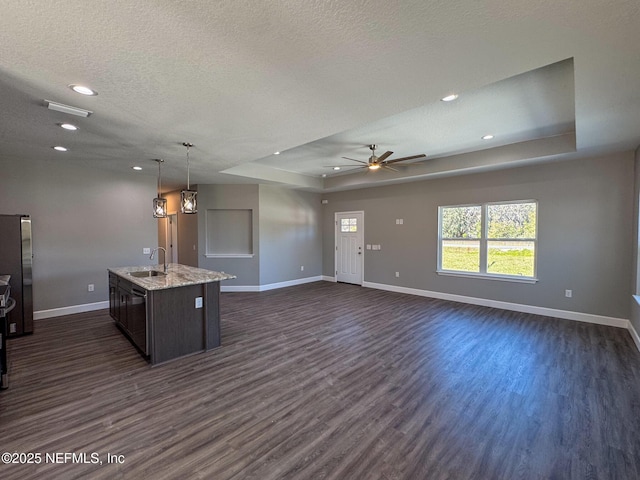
16,259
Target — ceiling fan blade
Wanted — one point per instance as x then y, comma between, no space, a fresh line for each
390,168
404,158
384,156
359,161
345,166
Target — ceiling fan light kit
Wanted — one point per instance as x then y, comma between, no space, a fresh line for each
376,163
188,197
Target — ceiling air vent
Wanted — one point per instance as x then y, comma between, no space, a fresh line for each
60,107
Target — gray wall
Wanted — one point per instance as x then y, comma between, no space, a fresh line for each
584,232
290,235
84,221
635,307
247,270
286,233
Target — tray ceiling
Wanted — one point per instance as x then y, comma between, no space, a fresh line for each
318,81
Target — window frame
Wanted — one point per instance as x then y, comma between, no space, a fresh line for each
484,241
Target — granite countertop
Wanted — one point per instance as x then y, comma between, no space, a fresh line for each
177,276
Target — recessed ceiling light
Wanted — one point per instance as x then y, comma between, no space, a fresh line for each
487,137
336,168
68,126
81,89
137,168
324,175
449,98
276,153
59,148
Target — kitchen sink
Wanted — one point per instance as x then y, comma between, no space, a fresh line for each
147,273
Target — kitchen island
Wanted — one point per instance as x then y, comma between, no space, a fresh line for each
167,315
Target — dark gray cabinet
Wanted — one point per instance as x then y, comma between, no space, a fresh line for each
127,306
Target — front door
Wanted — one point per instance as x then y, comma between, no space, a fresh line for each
349,243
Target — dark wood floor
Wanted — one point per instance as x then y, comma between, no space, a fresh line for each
332,381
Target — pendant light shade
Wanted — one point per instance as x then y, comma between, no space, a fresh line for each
159,203
160,207
188,201
188,197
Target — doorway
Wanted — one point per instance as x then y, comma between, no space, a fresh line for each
172,238
349,257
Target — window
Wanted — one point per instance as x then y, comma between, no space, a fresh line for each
492,239
348,225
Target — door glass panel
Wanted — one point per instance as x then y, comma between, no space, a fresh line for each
348,225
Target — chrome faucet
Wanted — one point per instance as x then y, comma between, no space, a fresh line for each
165,256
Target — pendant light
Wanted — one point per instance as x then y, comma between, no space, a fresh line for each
159,203
188,201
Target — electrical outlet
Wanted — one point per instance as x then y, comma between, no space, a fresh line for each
568,293
91,287
397,274
12,328
198,302
302,268
146,251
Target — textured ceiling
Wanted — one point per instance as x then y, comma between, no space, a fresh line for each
318,80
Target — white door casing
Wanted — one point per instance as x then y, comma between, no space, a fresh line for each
349,247
172,238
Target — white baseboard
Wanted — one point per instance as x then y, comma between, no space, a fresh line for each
58,312
329,279
270,286
240,288
517,307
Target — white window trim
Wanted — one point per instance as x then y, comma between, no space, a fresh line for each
483,240
487,276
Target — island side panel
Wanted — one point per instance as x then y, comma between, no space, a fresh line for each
213,314
176,324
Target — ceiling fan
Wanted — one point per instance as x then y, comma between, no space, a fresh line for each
376,163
